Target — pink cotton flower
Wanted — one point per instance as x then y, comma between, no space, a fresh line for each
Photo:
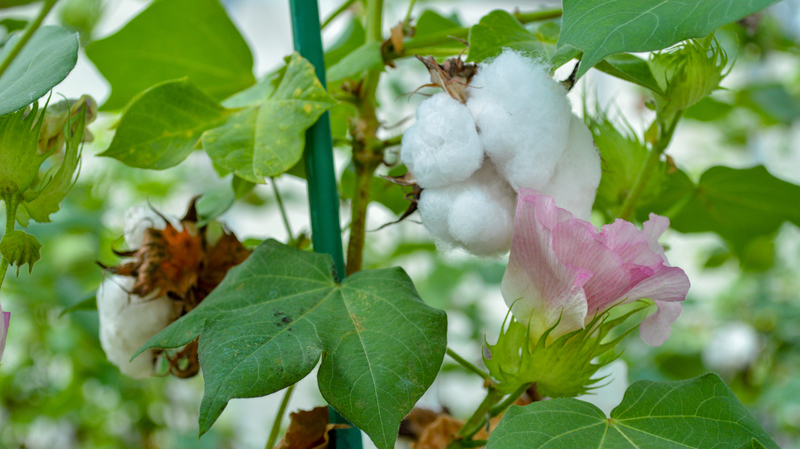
4,319
563,268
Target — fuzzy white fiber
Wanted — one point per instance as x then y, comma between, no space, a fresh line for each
126,323
476,215
577,174
523,118
443,146
137,219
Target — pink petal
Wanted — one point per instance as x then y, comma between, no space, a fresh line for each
537,285
655,328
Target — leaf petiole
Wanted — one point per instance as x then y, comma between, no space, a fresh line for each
276,424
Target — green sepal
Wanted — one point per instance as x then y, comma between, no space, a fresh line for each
19,248
688,73
19,160
561,367
48,200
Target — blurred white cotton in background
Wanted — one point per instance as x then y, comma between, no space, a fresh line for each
442,147
732,348
577,174
127,321
523,117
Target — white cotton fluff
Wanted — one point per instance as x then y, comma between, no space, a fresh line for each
443,146
127,321
577,174
476,215
523,117
137,219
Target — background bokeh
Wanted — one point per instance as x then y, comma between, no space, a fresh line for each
741,319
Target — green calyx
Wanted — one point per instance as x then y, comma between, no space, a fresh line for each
19,159
561,367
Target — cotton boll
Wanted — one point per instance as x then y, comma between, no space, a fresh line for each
434,207
523,117
127,322
577,174
139,218
732,348
482,216
443,146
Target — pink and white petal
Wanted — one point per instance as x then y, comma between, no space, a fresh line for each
655,329
5,318
537,285
630,243
666,284
652,229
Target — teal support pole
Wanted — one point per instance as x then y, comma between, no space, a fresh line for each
323,198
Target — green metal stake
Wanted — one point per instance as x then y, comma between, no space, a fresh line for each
322,195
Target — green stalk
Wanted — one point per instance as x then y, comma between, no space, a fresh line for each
480,417
12,202
500,408
283,210
537,16
276,424
344,6
407,20
469,366
26,36
650,164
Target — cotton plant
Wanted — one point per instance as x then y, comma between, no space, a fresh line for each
514,123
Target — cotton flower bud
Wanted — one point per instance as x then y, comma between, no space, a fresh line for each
476,215
127,321
523,117
442,147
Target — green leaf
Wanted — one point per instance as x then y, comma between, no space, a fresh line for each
165,42
19,248
708,109
773,102
363,58
162,125
213,204
697,413
87,304
268,139
267,325
498,30
44,61
630,68
432,23
603,27
48,200
739,204
351,38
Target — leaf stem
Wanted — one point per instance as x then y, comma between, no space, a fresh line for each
26,36
407,20
12,202
500,408
276,424
469,366
283,210
342,8
649,166
481,415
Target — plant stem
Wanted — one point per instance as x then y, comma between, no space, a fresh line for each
26,36
536,16
367,152
500,408
344,6
650,165
283,210
12,202
276,425
407,20
480,417
469,366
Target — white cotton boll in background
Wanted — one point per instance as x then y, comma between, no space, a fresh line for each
482,216
137,219
577,175
733,348
523,117
127,321
443,146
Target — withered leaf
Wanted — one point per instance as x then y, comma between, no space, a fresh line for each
308,430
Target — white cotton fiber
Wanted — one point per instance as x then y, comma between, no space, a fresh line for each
523,117
443,146
127,321
137,219
577,175
476,215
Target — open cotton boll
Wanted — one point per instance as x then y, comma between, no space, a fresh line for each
126,323
523,117
139,218
577,175
443,146
481,218
434,207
